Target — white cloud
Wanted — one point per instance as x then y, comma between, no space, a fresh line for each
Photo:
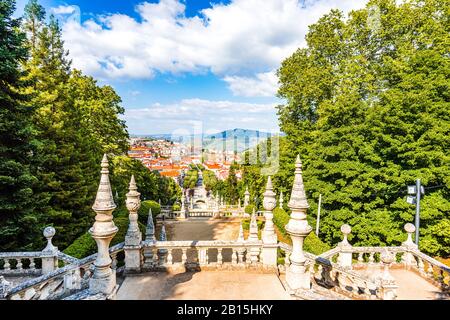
211,116
262,85
64,9
240,42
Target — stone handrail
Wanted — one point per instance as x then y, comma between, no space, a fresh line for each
433,270
329,274
194,254
19,268
61,281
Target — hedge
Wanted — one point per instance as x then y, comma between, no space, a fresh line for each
85,245
312,243
145,207
249,209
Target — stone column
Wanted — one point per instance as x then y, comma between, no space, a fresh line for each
408,258
50,253
183,206
216,209
388,290
133,237
253,238
103,231
246,198
269,237
298,228
150,239
346,249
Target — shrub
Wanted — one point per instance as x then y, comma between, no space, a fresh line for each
176,207
249,209
85,245
312,243
145,207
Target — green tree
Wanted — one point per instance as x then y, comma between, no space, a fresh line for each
18,222
368,110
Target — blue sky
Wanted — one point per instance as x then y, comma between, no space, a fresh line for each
189,66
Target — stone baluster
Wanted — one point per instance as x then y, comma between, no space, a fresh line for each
298,228
114,261
32,265
19,265
184,256
319,272
287,262
360,258
421,266
388,285
269,237
103,231
234,257
49,255
430,271
7,265
133,237
408,258
169,257
371,258
346,249
219,256
154,257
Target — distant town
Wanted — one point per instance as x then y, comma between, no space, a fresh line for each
172,159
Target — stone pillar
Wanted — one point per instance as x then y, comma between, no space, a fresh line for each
408,258
298,228
388,290
246,198
183,209
50,253
346,249
103,231
150,239
269,237
253,238
133,237
281,200
162,253
216,209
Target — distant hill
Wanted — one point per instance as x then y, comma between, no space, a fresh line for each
235,140
230,140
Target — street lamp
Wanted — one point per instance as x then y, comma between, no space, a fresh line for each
414,193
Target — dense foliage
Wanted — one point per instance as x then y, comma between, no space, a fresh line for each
56,124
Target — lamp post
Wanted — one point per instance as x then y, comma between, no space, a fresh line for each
414,198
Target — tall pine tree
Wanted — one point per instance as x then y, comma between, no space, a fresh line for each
18,222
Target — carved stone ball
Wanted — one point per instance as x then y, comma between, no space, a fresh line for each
49,232
346,229
410,228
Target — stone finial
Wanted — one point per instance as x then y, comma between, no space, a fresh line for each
410,229
5,287
241,233
253,232
49,233
298,196
163,234
104,202
247,193
150,230
346,230
103,280
269,201
246,197
133,203
298,229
